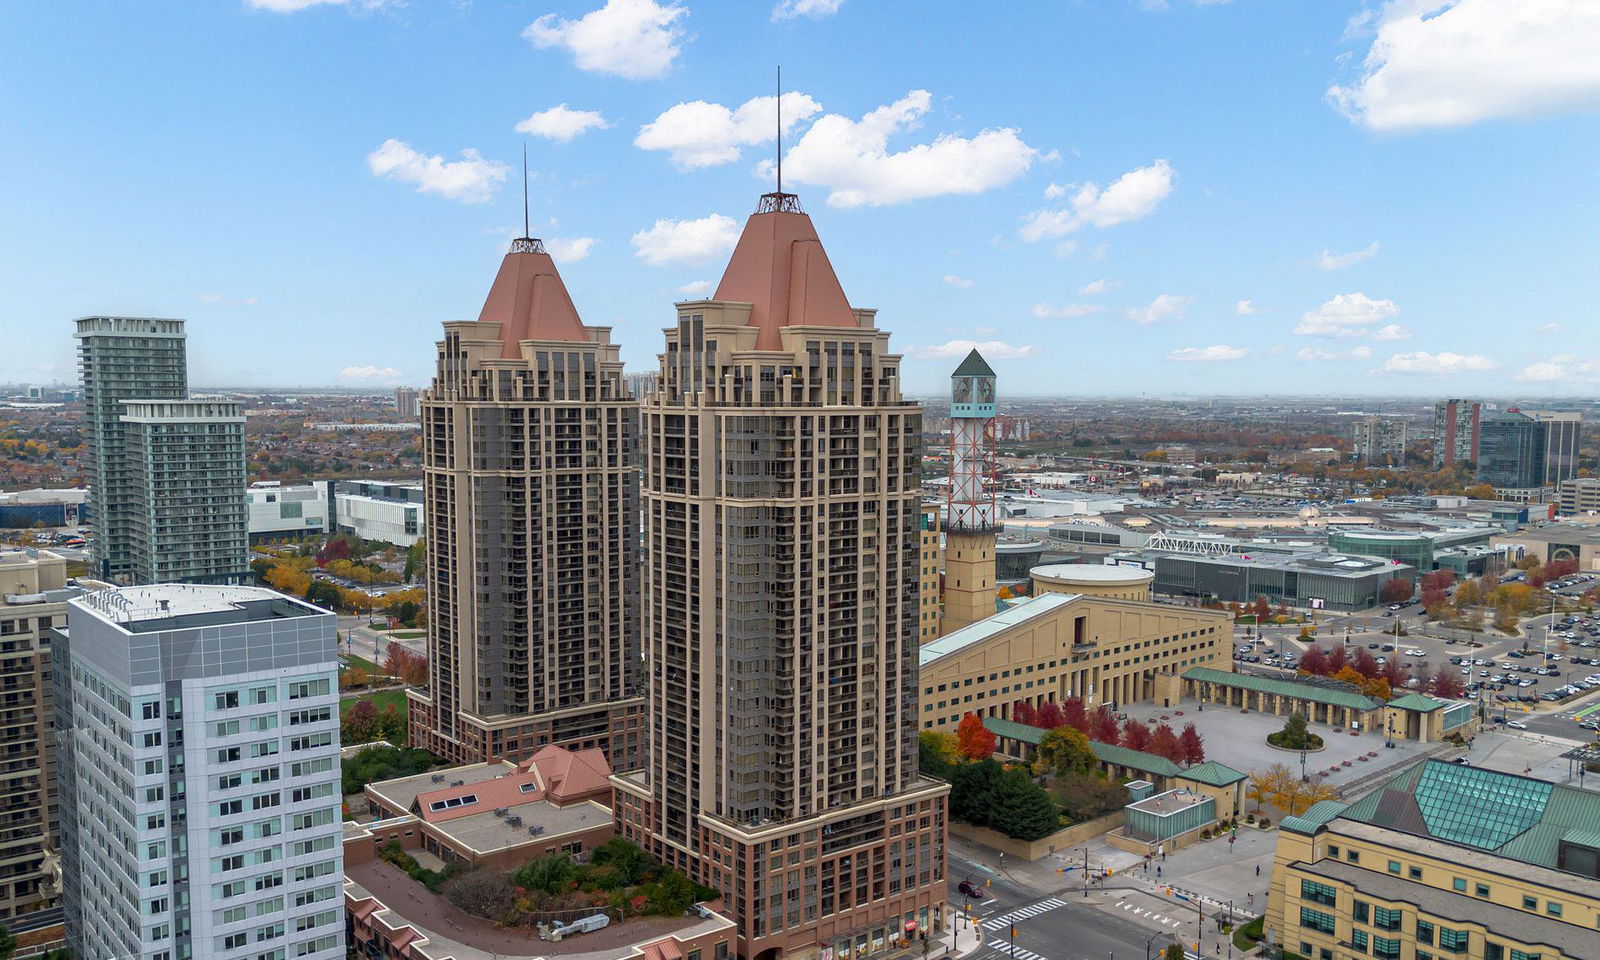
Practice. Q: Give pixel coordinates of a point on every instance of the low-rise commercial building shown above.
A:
(1556, 541)
(1442, 860)
(1314, 580)
(498, 814)
(374, 510)
(281, 511)
(1579, 495)
(1059, 645)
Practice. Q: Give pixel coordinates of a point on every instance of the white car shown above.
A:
(1414, 652)
(1517, 725)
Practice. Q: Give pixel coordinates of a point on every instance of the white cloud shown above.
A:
(1055, 191)
(955, 281)
(1348, 315)
(1317, 353)
(472, 179)
(1392, 331)
(852, 159)
(696, 288)
(1095, 288)
(1551, 328)
(1167, 306)
(1135, 195)
(221, 300)
(1246, 308)
(636, 39)
(1559, 369)
(1328, 260)
(1046, 311)
(958, 349)
(562, 123)
(686, 241)
(988, 332)
(569, 249)
(816, 9)
(1436, 364)
(701, 134)
(1448, 63)
(369, 375)
(1214, 354)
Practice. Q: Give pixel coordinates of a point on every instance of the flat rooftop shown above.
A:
(989, 626)
(175, 606)
(1169, 803)
(399, 793)
(486, 833)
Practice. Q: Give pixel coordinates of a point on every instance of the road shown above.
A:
(356, 639)
(1051, 925)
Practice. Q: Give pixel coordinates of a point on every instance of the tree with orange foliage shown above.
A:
(973, 740)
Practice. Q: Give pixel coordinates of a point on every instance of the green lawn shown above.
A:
(363, 663)
(405, 634)
(381, 701)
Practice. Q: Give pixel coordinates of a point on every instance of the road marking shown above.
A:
(1021, 953)
(1032, 910)
(1161, 918)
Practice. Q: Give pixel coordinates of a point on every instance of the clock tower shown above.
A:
(970, 521)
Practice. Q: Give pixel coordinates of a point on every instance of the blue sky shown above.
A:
(1403, 194)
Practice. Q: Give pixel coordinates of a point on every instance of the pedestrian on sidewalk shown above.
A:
(1258, 869)
(1163, 851)
(1158, 871)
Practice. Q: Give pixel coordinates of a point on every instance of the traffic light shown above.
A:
(1013, 931)
(987, 882)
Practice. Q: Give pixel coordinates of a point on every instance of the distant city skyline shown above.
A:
(1302, 198)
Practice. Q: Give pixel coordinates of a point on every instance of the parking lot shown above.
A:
(1510, 673)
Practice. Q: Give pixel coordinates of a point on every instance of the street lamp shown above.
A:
(1302, 766)
(1149, 942)
(1388, 733)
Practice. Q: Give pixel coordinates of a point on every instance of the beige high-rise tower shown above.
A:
(782, 509)
(531, 486)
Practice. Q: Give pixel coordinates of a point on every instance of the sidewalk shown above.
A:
(951, 942)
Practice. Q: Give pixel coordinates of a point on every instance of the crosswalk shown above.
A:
(1007, 950)
(1032, 910)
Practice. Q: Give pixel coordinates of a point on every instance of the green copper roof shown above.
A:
(1417, 702)
(1012, 730)
(1334, 694)
(1315, 816)
(1516, 817)
(1134, 759)
(1104, 752)
(1213, 774)
(974, 366)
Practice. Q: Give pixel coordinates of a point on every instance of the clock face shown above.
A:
(962, 390)
(985, 390)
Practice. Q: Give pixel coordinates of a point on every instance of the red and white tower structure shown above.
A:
(971, 520)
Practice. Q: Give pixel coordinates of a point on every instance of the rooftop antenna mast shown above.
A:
(526, 243)
(780, 128)
(778, 201)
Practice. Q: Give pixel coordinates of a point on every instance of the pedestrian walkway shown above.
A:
(1147, 914)
(1023, 913)
(1012, 950)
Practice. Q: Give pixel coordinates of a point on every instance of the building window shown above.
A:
(1358, 941)
(1415, 873)
(1385, 919)
(1482, 889)
(1493, 951)
(1333, 851)
(1385, 948)
(1424, 932)
(1360, 912)
(1316, 920)
(1552, 908)
(1352, 856)
(1519, 955)
(1394, 867)
(1320, 893)
(1453, 940)
(1530, 903)
(1460, 884)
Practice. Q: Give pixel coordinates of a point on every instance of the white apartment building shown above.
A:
(198, 732)
(279, 510)
(376, 510)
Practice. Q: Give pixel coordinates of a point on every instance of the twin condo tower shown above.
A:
(753, 676)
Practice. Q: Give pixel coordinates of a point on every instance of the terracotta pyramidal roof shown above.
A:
(529, 301)
(780, 268)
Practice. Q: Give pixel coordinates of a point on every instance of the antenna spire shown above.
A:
(525, 188)
(780, 128)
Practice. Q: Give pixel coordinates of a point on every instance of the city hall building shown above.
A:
(1443, 860)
